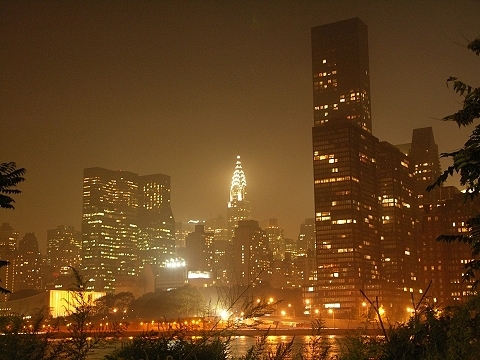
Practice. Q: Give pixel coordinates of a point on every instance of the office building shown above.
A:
(8, 240)
(127, 223)
(443, 263)
(63, 249)
(341, 77)
(426, 165)
(64, 246)
(276, 239)
(344, 161)
(306, 237)
(156, 224)
(8, 252)
(399, 230)
(199, 250)
(28, 264)
(251, 255)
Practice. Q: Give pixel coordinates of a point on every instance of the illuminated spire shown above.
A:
(237, 189)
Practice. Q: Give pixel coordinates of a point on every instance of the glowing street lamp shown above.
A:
(224, 314)
(330, 311)
(364, 305)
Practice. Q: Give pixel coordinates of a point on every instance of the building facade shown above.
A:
(127, 222)
(251, 255)
(376, 226)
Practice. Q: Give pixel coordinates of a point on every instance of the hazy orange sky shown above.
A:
(182, 87)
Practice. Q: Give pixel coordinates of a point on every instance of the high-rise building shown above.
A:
(199, 250)
(127, 221)
(238, 207)
(28, 264)
(276, 239)
(399, 229)
(63, 248)
(8, 252)
(306, 237)
(155, 219)
(251, 255)
(443, 263)
(426, 165)
(344, 162)
(8, 240)
(341, 77)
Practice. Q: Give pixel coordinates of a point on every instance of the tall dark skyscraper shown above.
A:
(400, 227)
(426, 162)
(127, 222)
(345, 185)
(341, 77)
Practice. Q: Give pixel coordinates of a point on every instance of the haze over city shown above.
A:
(182, 88)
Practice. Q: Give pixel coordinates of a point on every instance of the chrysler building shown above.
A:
(238, 207)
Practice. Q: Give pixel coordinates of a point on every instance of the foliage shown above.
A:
(318, 347)
(184, 301)
(83, 337)
(114, 303)
(22, 339)
(453, 333)
(10, 177)
(174, 346)
(466, 162)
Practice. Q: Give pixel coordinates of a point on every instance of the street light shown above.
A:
(364, 305)
(330, 311)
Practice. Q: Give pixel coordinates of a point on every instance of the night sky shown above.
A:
(183, 87)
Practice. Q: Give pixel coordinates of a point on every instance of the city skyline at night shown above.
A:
(182, 88)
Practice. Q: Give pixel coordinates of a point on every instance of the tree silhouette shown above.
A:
(10, 176)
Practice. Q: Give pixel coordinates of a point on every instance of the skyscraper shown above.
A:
(127, 221)
(155, 219)
(426, 162)
(276, 239)
(238, 207)
(28, 264)
(400, 226)
(8, 252)
(8, 240)
(306, 237)
(341, 77)
(344, 162)
(251, 255)
(63, 248)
